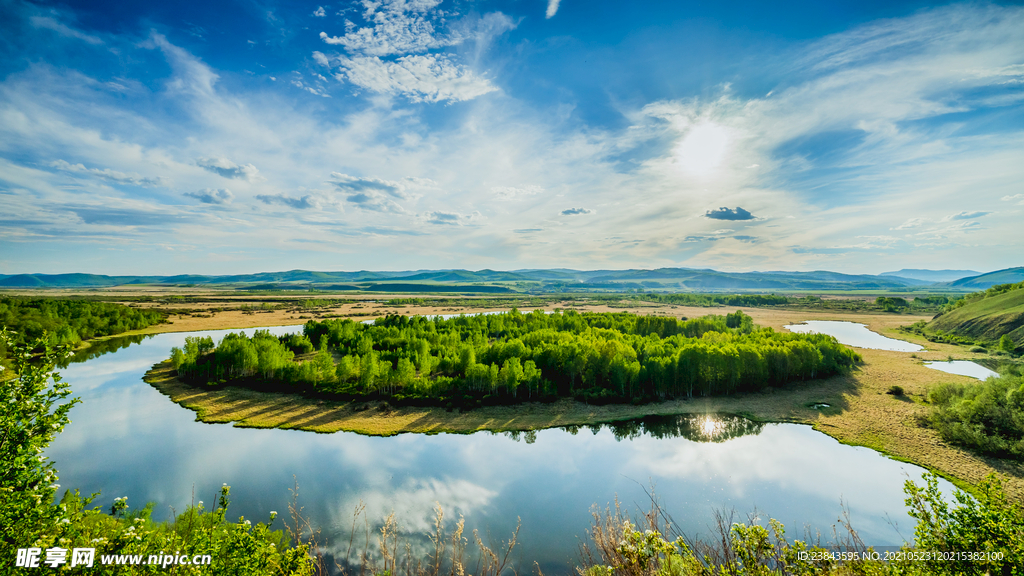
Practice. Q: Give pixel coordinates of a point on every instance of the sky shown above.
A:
(227, 137)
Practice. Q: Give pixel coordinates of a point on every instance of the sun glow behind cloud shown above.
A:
(703, 149)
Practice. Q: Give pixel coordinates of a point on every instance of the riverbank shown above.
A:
(859, 413)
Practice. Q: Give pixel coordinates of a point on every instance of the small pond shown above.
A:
(853, 334)
(963, 368)
(127, 439)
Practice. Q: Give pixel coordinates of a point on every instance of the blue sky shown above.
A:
(234, 137)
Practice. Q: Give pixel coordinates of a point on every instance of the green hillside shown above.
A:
(986, 316)
(1006, 276)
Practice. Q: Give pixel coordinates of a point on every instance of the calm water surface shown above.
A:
(127, 439)
(963, 368)
(853, 334)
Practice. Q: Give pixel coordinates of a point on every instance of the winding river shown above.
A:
(127, 439)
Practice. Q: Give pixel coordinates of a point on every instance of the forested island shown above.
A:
(513, 357)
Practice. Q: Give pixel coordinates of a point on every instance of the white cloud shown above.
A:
(319, 12)
(108, 174)
(964, 216)
(911, 223)
(399, 27)
(427, 78)
(374, 194)
(63, 29)
(229, 169)
(552, 8)
(321, 59)
(375, 201)
(306, 202)
(355, 184)
(576, 211)
(509, 192)
(315, 89)
(387, 57)
(212, 195)
(1009, 198)
(451, 218)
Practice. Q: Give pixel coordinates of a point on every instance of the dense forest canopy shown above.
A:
(510, 357)
(70, 321)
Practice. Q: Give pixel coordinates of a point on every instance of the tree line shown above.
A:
(69, 321)
(512, 357)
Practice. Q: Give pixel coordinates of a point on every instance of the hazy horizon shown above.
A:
(226, 138)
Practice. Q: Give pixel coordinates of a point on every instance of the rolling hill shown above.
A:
(985, 318)
(929, 276)
(537, 280)
(984, 281)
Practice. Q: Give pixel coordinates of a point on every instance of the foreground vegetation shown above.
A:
(987, 416)
(36, 405)
(512, 357)
(973, 537)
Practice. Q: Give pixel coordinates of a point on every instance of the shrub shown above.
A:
(1006, 343)
(895, 390)
(987, 416)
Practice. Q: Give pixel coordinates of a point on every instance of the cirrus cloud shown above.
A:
(108, 174)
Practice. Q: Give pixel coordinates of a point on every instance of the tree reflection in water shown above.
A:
(698, 428)
(98, 348)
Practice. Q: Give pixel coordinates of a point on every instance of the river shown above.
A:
(127, 439)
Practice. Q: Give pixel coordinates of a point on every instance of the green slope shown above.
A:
(1005, 276)
(986, 318)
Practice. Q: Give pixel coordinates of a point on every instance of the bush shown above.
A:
(895, 390)
(987, 417)
(1006, 343)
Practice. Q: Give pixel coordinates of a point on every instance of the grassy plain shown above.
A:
(860, 411)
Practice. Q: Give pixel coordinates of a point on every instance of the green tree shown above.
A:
(990, 522)
(1006, 343)
(34, 412)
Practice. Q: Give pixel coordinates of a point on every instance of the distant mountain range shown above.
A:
(930, 276)
(983, 281)
(543, 280)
